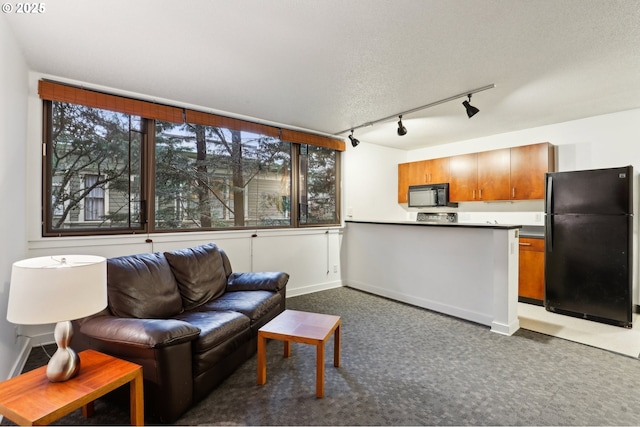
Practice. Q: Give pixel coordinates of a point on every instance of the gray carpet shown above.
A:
(403, 365)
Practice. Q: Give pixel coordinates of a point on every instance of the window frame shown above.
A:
(47, 186)
(51, 91)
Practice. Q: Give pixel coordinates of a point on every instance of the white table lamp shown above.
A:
(58, 289)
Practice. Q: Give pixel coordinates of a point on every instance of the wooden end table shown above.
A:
(31, 399)
(302, 327)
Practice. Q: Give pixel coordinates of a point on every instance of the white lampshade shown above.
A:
(53, 289)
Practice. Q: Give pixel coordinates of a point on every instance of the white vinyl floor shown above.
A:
(613, 338)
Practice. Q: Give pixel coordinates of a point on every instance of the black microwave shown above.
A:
(429, 195)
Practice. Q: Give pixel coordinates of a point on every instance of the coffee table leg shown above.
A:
(320, 369)
(262, 359)
(287, 348)
(137, 400)
(336, 347)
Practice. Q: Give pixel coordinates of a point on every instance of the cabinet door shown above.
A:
(437, 171)
(464, 177)
(403, 182)
(494, 170)
(418, 172)
(531, 269)
(528, 166)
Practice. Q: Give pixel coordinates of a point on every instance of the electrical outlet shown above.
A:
(335, 268)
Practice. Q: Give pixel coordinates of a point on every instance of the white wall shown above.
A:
(13, 124)
(370, 182)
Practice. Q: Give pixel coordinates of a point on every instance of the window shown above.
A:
(88, 151)
(215, 177)
(318, 185)
(94, 201)
(118, 165)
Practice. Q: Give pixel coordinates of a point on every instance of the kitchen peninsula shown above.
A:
(468, 271)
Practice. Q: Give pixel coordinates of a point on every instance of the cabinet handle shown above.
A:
(513, 193)
(524, 244)
(480, 194)
(474, 195)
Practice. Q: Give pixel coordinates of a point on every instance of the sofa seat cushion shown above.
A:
(142, 286)
(253, 304)
(215, 327)
(200, 273)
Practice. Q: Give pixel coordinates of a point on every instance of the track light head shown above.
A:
(354, 141)
(471, 110)
(401, 129)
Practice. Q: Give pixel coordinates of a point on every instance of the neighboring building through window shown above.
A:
(94, 200)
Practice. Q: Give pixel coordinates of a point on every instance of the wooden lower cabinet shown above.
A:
(531, 270)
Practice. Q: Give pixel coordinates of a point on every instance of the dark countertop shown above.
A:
(532, 231)
(439, 224)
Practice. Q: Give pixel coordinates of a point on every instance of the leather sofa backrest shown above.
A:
(142, 286)
(200, 273)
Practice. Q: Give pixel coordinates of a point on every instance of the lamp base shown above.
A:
(65, 363)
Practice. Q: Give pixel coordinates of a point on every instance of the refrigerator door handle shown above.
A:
(549, 194)
(548, 233)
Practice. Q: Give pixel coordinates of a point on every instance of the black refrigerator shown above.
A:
(588, 244)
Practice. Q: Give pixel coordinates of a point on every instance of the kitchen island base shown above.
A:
(466, 271)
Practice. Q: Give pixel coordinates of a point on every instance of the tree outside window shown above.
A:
(318, 185)
(213, 177)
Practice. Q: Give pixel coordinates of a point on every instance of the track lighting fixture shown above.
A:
(471, 110)
(353, 139)
(401, 129)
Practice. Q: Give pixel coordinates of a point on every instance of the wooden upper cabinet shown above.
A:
(494, 171)
(437, 170)
(434, 171)
(418, 172)
(529, 164)
(463, 183)
(403, 182)
(507, 174)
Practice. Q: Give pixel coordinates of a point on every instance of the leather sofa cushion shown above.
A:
(142, 286)
(215, 327)
(253, 304)
(200, 273)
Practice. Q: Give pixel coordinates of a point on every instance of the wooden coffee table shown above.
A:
(31, 399)
(302, 327)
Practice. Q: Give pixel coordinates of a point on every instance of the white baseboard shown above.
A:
(313, 288)
(26, 344)
(23, 355)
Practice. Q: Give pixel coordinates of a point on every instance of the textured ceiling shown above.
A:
(330, 65)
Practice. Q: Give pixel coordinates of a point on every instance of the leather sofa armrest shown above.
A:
(148, 333)
(258, 281)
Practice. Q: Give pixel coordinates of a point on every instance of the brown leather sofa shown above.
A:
(185, 317)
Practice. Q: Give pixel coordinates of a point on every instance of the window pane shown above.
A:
(95, 169)
(94, 202)
(318, 185)
(213, 177)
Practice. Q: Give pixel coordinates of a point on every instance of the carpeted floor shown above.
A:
(403, 365)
